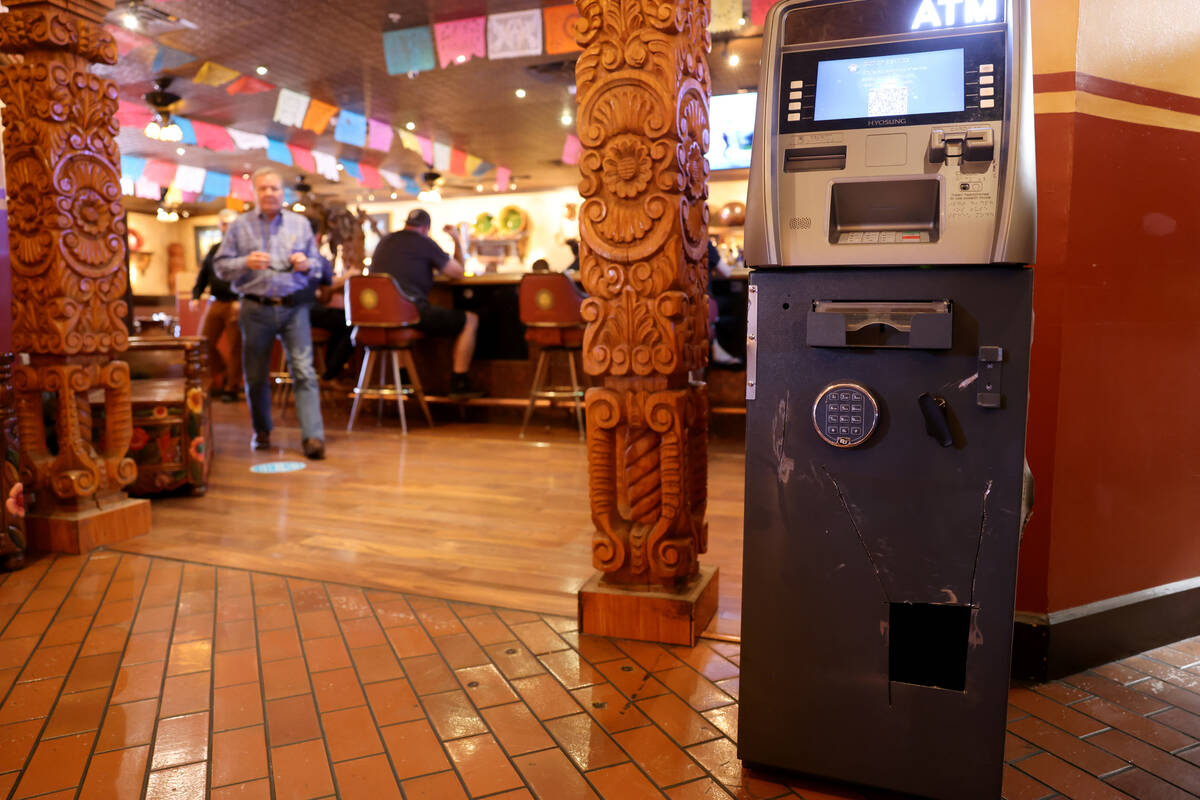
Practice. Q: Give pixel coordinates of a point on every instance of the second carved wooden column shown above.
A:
(643, 88)
(66, 240)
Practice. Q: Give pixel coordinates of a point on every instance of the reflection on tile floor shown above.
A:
(125, 676)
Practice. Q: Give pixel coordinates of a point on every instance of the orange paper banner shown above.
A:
(318, 116)
(560, 28)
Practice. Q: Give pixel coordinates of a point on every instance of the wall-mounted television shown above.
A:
(731, 130)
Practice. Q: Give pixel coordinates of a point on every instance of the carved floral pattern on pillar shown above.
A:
(643, 89)
(66, 234)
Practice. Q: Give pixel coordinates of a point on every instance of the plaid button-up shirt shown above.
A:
(288, 233)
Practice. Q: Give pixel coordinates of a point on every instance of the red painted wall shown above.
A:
(1114, 433)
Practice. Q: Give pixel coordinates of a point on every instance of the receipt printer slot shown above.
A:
(808, 159)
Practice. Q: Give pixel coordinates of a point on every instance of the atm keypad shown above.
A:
(845, 414)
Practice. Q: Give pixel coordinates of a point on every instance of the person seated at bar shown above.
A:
(270, 258)
(329, 314)
(412, 258)
(220, 319)
(719, 356)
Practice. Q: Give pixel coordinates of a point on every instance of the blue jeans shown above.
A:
(260, 326)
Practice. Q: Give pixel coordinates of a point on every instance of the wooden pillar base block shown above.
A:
(651, 616)
(83, 531)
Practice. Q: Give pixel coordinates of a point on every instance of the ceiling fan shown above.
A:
(433, 180)
(147, 18)
(164, 102)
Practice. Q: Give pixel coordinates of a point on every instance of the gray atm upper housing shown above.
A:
(840, 193)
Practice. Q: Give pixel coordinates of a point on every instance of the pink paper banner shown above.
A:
(572, 149)
(370, 176)
(426, 149)
(302, 158)
(212, 137)
(133, 115)
(503, 178)
(758, 11)
(241, 188)
(379, 135)
(460, 40)
(159, 171)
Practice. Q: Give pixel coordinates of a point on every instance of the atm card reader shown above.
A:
(973, 144)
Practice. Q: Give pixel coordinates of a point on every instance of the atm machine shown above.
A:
(890, 218)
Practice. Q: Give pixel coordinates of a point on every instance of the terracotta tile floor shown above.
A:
(126, 676)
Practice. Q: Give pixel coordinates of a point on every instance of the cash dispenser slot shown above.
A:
(810, 159)
(921, 325)
(897, 211)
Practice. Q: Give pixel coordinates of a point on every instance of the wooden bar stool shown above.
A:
(549, 305)
(383, 322)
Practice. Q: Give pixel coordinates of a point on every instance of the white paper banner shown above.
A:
(127, 186)
(190, 179)
(393, 178)
(725, 15)
(441, 156)
(515, 33)
(326, 166)
(247, 141)
(290, 108)
(147, 189)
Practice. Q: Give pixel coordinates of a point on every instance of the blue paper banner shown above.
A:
(351, 128)
(132, 167)
(170, 58)
(189, 133)
(409, 50)
(352, 168)
(410, 184)
(278, 152)
(483, 169)
(217, 184)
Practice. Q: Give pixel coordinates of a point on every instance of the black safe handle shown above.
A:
(933, 408)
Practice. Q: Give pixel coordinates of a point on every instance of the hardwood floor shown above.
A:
(463, 511)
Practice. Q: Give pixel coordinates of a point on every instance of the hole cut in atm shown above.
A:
(927, 644)
(905, 211)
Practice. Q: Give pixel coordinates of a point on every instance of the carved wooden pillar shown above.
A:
(643, 89)
(66, 240)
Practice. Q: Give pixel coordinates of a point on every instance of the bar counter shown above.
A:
(504, 363)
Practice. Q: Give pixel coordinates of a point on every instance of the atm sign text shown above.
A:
(973, 12)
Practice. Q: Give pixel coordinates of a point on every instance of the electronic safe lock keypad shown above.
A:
(845, 414)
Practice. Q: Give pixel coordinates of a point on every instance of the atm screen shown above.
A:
(890, 85)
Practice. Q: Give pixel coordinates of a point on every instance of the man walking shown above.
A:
(270, 258)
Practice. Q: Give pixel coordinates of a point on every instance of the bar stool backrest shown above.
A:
(375, 301)
(549, 299)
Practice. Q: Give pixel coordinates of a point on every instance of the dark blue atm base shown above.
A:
(877, 606)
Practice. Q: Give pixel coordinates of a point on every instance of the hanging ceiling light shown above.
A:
(161, 128)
